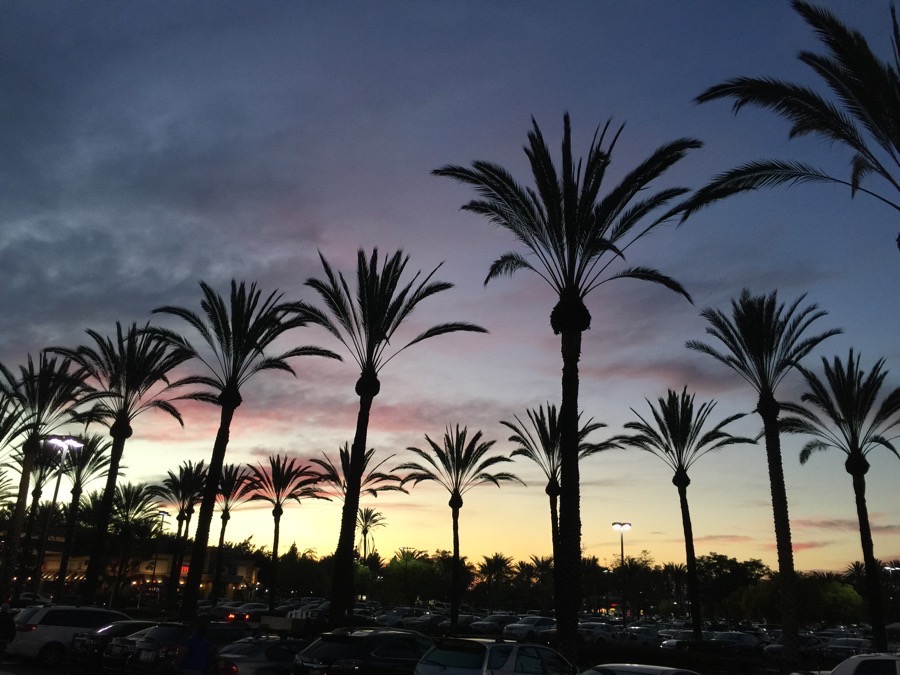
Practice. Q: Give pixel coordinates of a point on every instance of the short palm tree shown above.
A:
(183, 491)
(366, 323)
(128, 375)
(857, 110)
(763, 341)
(45, 395)
(283, 480)
(842, 414)
(575, 239)
(677, 437)
(495, 571)
(461, 464)
(234, 488)
(81, 466)
(134, 519)
(540, 444)
(237, 335)
(373, 480)
(367, 520)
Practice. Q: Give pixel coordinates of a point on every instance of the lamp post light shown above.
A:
(622, 528)
(63, 445)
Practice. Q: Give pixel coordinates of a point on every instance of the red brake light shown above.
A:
(26, 627)
(228, 668)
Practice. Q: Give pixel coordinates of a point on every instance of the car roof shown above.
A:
(642, 669)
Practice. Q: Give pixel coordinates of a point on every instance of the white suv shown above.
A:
(46, 632)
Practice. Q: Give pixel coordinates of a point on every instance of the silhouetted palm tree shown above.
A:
(236, 335)
(46, 467)
(128, 375)
(367, 520)
(366, 323)
(183, 491)
(857, 111)
(763, 341)
(495, 570)
(284, 479)
(45, 395)
(373, 480)
(842, 415)
(677, 437)
(134, 518)
(234, 488)
(542, 447)
(460, 465)
(81, 466)
(575, 237)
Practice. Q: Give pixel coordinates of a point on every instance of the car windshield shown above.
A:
(469, 655)
(169, 632)
(23, 615)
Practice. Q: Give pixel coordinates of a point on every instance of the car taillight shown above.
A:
(228, 668)
(346, 664)
(26, 627)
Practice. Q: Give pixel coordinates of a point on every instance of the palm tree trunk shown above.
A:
(229, 402)
(342, 580)
(217, 578)
(71, 522)
(455, 590)
(873, 568)
(273, 587)
(29, 535)
(175, 568)
(96, 569)
(11, 560)
(768, 409)
(568, 562)
(692, 581)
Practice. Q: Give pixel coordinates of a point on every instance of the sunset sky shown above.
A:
(148, 146)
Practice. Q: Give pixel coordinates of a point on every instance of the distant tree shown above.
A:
(677, 436)
(134, 521)
(857, 111)
(234, 488)
(461, 464)
(842, 415)
(763, 341)
(237, 335)
(366, 520)
(373, 480)
(495, 571)
(366, 323)
(283, 480)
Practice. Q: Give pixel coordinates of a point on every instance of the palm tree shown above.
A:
(575, 238)
(367, 520)
(857, 111)
(542, 447)
(80, 466)
(134, 518)
(460, 465)
(283, 480)
(677, 437)
(365, 324)
(44, 396)
(373, 480)
(495, 570)
(234, 488)
(183, 491)
(128, 376)
(237, 335)
(842, 415)
(763, 341)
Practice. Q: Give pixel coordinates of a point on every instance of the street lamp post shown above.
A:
(63, 445)
(622, 528)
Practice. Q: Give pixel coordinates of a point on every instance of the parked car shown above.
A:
(87, 648)
(45, 632)
(869, 664)
(249, 611)
(481, 656)
(266, 655)
(840, 648)
(119, 650)
(160, 648)
(735, 642)
(595, 632)
(463, 625)
(493, 624)
(28, 598)
(399, 616)
(679, 638)
(427, 623)
(635, 669)
(645, 636)
(528, 627)
(219, 612)
(363, 651)
(810, 645)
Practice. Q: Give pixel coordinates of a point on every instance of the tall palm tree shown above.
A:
(763, 341)
(129, 375)
(857, 110)
(134, 518)
(575, 238)
(367, 520)
(842, 414)
(236, 336)
(540, 444)
(80, 466)
(373, 480)
(460, 465)
(234, 488)
(45, 395)
(283, 480)
(183, 491)
(677, 437)
(495, 570)
(366, 323)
